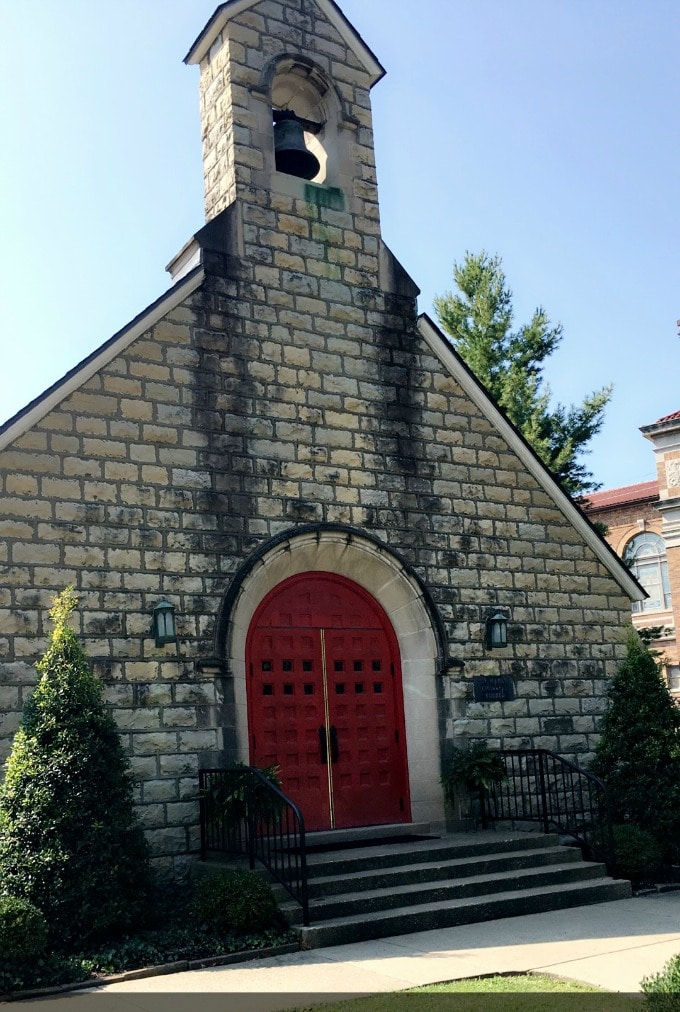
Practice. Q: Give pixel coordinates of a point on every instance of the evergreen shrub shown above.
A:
(23, 929)
(639, 855)
(638, 755)
(69, 839)
(235, 903)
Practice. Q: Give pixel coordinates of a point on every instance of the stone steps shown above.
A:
(448, 870)
(380, 888)
(428, 917)
(374, 900)
(429, 849)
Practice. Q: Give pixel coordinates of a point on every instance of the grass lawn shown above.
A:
(516, 993)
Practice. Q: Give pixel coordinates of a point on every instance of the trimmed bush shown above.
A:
(638, 755)
(69, 838)
(23, 930)
(235, 903)
(663, 989)
(638, 854)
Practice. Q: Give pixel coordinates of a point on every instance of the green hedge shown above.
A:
(235, 902)
(23, 929)
(639, 856)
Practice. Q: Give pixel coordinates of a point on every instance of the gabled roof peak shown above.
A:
(232, 8)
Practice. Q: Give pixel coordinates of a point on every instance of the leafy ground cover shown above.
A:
(173, 934)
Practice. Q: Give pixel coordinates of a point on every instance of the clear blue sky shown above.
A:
(542, 130)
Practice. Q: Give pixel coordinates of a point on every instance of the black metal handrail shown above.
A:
(243, 812)
(544, 787)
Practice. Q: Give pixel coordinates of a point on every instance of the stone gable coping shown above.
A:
(442, 348)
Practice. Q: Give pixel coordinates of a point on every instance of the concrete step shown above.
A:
(369, 834)
(447, 913)
(366, 903)
(436, 850)
(383, 877)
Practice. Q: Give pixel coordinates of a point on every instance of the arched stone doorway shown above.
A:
(365, 561)
(325, 702)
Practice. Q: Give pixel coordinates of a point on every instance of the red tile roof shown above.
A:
(644, 490)
(668, 418)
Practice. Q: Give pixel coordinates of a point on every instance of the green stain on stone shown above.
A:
(325, 196)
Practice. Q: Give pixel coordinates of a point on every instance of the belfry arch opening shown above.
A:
(300, 91)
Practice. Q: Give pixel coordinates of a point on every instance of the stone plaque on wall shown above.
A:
(493, 688)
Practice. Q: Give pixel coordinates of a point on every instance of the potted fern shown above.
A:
(240, 798)
(477, 768)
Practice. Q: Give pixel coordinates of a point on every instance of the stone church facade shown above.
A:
(286, 452)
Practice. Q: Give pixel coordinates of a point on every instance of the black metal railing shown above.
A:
(244, 813)
(544, 787)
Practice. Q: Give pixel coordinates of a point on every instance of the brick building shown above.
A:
(643, 528)
(282, 450)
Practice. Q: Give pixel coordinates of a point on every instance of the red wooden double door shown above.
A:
(325, 702)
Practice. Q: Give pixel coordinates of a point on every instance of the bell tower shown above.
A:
(304, 325)
(285, 107)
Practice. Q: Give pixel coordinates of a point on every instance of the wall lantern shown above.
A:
(164, 623)
(453, 664)
(496, 631)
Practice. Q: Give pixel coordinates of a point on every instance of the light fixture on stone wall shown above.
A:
(496, 631)
(454, 664)
(164, 629)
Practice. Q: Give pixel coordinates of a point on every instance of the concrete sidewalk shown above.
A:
(611, 945)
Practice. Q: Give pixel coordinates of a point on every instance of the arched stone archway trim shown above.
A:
(372, 566)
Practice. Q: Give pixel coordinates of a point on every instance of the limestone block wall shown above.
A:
(104, 493)
(248, 411)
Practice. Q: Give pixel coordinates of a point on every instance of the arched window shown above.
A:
(646, 556)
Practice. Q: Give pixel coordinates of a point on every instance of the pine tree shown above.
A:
(638, 755)
(69, 839)
(510, 364)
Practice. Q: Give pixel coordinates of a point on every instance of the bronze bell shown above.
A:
(291, 153)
